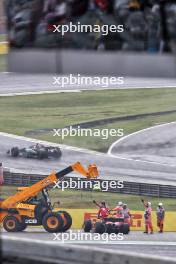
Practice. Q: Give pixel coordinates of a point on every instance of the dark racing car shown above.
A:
(37, 151)
(110, 224)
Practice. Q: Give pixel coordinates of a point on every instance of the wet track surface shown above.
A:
(157, 144)
(124, 168)
(136, 242)
(28, 83)
(115, 168)
(158, 165)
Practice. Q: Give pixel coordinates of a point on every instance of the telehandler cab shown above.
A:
(26, 208)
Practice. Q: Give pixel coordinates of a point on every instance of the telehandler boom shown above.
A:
(25, 208)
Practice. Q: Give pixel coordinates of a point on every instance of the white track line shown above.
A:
(145, 243)
(76, 90)
(86, 151)
(39, 93)
(49, 143)
(89, 88)
(135, 133)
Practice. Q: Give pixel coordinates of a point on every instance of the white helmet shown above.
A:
(149, 203)
(120, 203)
(160, 204)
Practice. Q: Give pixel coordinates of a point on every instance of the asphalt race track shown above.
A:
(144, 165)
(121, 166)
(136, 242)
(12, 84)
(109, 167)
(115, 167)
(157, 144)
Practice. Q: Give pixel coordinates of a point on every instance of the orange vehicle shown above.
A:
(27, 208)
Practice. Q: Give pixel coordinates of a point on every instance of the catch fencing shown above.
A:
(137, 188)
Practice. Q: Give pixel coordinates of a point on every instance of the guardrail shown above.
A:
(23, 251)
(155, 190)
(27, 250)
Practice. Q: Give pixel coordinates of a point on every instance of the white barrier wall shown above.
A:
(92, 63)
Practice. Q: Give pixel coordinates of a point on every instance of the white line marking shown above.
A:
(135, 133)
(66, 147)
(145, 243)
(3, 42)
(49, 143)
(89, 88)
(39, 92)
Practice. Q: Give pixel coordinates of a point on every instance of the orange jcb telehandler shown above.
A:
(27, 208)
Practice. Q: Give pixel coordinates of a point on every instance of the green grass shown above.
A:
(3, 63)
(102, 145)
(3, 37)
(3, 60)
(21, 114)
(83, 199)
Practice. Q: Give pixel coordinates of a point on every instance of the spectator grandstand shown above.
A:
(149, 25)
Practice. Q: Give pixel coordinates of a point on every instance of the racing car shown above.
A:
(111, 224)
(37, 151)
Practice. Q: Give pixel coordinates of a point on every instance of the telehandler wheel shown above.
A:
(52, 222)
(22, 226)
(67, 219)
(11, 223)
